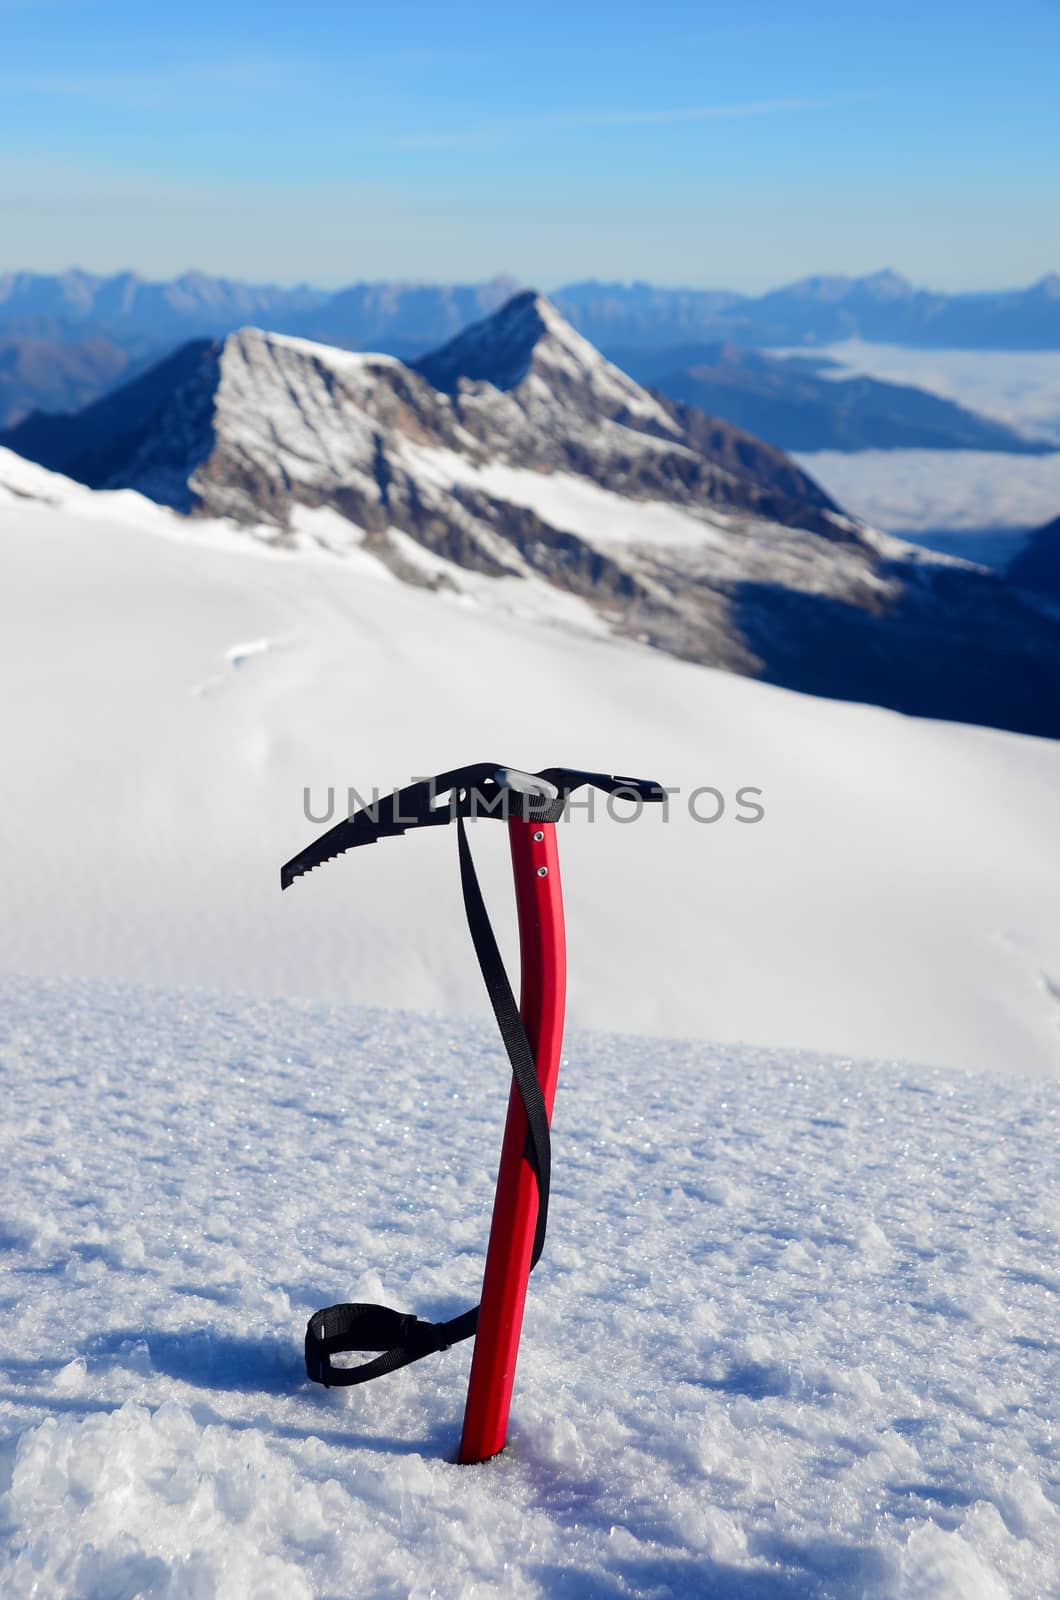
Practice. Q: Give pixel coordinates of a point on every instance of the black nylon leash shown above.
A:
(402, 1336)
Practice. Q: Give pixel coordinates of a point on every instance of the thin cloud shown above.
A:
(629, 118)
(140, 87)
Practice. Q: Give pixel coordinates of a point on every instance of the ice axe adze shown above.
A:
(531, 804)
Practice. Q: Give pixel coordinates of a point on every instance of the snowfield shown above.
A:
(576, 503)
(175, 688)
(794, 1336)
(794, 1332)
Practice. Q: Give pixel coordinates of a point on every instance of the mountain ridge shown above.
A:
(98, 325)
(789, 402)
(413, 308)
(880, 307)
(567, 489)
(578, 382)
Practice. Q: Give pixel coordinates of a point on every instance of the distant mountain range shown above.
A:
(516, 460)
(883, 307)
(65, 339)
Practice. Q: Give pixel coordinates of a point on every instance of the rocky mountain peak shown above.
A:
(502, 348)
(552, 379)
(252, 425)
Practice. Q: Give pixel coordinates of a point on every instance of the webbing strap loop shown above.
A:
(401, 1336)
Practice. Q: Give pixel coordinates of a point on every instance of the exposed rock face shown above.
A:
(562, 407)
(150, 433)
(517, 455)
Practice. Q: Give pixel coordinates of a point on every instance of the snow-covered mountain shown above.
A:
(176, 685)
(250, 425)
(517, 454)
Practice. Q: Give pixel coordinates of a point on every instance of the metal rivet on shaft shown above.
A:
(538, 835)
(542, 872)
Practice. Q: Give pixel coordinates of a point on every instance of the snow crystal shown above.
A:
(794, 1332)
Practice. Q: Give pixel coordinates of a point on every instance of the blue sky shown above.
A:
(700, 144)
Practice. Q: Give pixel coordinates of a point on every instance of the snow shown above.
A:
(907, 491)
(734, 546)
(329, 355)
(569, 502)
(897, 899)
(288, 417)
(529, 599)
(25, 480)
(324, 528)
(567, 351)
(737, 545)
(794, 1332)
(294, 417)
(528, 345)
(312, 528)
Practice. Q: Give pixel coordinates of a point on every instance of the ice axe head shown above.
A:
(484, 789)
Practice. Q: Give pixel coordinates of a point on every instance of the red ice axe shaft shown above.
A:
(532, 1034)
(542, 997)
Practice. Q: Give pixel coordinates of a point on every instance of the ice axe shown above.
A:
(531, 804)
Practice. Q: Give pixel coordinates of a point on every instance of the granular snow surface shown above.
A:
(794, 1333)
